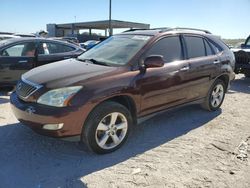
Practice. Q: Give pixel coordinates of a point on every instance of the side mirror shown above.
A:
(154, 61)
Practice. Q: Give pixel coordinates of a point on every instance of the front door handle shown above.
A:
(23, 61)
(185, 68)
(216, 61)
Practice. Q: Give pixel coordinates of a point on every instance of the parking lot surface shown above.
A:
(188, 147)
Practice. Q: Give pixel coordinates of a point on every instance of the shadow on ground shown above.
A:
(30, 160)
(240, 85)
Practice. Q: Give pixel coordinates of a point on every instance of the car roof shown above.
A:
(24, 39)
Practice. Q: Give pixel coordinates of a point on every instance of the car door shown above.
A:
(52, 51)
(165, 86)
(203, 64)
(15, 60)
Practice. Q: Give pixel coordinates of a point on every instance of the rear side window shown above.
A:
(169, 48)
(54, 48)
(209, 50)
(216, 48)
(195, 46)
(20, 50)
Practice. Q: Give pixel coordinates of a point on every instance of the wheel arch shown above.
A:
(225, 78)
(126, 101)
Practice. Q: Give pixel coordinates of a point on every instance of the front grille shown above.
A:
(25, 88)
(242, 57)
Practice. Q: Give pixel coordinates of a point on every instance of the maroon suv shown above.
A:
(101, 94)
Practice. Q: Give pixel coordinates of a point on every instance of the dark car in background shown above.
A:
(19, 55)
(242, 58)
(101, 94)
(89, 44)
(73, 40)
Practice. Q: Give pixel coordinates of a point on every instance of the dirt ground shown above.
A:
(188, 147)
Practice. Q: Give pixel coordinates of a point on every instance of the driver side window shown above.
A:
(169, 48)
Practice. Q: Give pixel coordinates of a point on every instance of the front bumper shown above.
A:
(36, 116)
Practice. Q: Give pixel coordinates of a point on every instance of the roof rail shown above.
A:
(160, 28)
(134, 30)
(192, 29)
(164, 29)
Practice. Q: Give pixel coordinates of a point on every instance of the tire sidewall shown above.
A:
(217, 82)
(247, 74)
(89, 128)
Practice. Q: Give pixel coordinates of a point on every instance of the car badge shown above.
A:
(19, 86)
(30, 110)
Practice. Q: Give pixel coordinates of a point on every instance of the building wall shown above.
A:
(51, 28)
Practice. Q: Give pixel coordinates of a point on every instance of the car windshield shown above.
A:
(116, 50)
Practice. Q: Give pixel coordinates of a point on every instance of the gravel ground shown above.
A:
(188, 147)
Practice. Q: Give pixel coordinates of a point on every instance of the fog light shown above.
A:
(53, 126)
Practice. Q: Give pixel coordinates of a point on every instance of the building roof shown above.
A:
(104, 24)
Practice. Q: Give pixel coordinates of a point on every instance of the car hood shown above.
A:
(65, 73)
(240, 49)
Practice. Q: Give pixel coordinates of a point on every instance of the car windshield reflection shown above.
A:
(116, 50)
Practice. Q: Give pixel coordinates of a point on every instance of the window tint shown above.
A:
(24, 49)
(169, 48)
(195, 46)
(209, 50)
(54, 48)
(215, 48)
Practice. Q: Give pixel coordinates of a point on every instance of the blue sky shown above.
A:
(227, 18)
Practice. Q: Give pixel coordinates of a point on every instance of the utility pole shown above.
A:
(110, 25)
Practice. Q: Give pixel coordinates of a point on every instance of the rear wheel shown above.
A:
(215, 96)
(247, 74)
(107, 127)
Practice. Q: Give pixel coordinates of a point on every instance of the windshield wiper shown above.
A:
(98, 62)
(94, 61)
(82, 60)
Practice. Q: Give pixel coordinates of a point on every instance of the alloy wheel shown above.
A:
(111, 130)
(217, 95)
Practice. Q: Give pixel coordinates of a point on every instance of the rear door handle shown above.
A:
(216, 61)
(185, 68)
(23, 61)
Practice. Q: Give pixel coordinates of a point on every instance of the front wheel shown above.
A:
(107, 127)
(215, 96)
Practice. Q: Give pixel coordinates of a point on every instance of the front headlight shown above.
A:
(58, 97)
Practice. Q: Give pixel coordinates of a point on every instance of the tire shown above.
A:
(247, 74)
(107, 127)
(215, 96)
